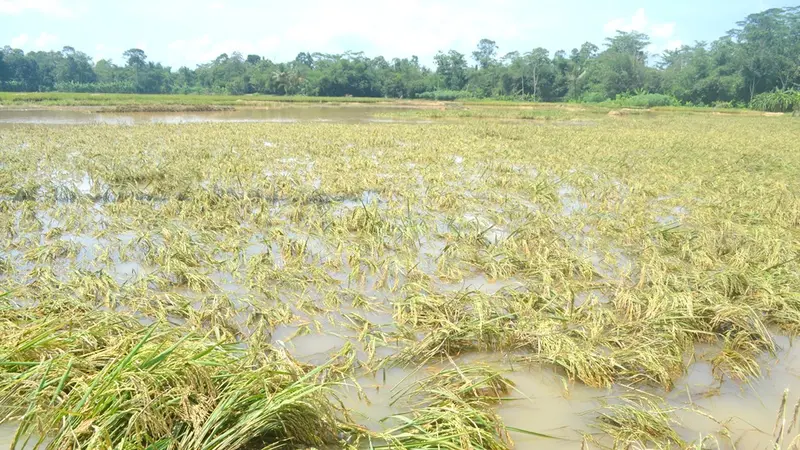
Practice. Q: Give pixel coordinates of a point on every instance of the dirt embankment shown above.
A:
(164, 108)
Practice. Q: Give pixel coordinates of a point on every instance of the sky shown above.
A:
(189, 32)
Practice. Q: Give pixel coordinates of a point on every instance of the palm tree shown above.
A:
(287, 81)
(280, 78)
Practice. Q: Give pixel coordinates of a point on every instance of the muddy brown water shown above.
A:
(349, 114)
(546, 402)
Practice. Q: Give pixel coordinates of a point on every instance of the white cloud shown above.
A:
(657, 49)
(49, 7)
(664, 30)
(204, 49)
(19, 41)
(45, 41)
(391, 29)
(412, 27)
(102, 51)
(640, 22)
(662, 34)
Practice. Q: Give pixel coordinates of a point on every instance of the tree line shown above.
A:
(761, 54)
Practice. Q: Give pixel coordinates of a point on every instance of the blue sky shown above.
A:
(188, 32)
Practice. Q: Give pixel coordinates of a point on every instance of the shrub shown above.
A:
(777, 101)
(644, 101)
(445, 95)
(512, 98)
(593, 97)
(111, 87)
(13, 86)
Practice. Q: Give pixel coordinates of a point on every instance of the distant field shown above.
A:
(67, 99)
(417, 109)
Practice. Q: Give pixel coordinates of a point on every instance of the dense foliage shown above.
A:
(762, 54)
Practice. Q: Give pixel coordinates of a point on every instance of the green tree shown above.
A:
(580, 62)
(539, 69)
(769, 44)
(3, 73)
(106, 71)
(451, 67)
(22, 73)
(134, 57)
(75, 67)
(510, 82)
(305, 59)
(184, 79)
(622, 67)
(288, 81)
(485, 54)
(406, 78)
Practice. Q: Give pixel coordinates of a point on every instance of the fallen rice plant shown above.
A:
(209, 285)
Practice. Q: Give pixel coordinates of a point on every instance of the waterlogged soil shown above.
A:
(370, 215)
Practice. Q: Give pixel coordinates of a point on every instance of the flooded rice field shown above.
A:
(76, 116)
(241, 283)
